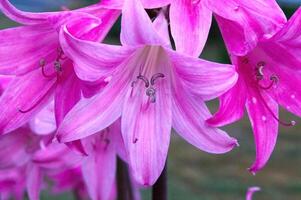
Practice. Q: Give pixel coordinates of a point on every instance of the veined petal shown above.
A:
(34, 182)
(92, 115)
(92, 60)
(99, 170)
(188, 119)
(149, 4)
(26, 18)
(18, 104)
(136, 27)
(190, 24)
(44, 122)
(146, 125)
(204, 78)
(261, 109)
(22, 48)
(232, 105)
(161, 26)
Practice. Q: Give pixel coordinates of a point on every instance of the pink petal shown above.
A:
(265, 127)
(146, 126)
(190, 23)
(34, 182)
(257, 19)
(203, 78)
(150, 4)
(136, 27)
(251, 191)
(232, 105)
(188, 119)
(44, 122)
(161, 26)
(26, 18)
(22, 48)
(92, 61)
(17, 97)
(92, 115)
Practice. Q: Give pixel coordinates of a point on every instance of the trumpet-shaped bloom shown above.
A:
(32, 53)
(268, 75)
(152, 89)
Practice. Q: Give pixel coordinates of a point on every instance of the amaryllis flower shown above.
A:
(33, 54)
(152, 89)
(251, 191)
(269, 75)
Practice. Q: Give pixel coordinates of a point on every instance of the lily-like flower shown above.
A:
(251, 191)
(268, 75)
(152, 89)
(32, 54)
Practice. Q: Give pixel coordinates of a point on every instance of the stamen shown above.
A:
(260, 76)
(151, 93)
(42, 65)
(36, 104)
(156, 76)
(144, 79)
(291, 123)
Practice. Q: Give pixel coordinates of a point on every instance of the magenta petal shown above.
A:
(34, 182)
(92, 115)
(92, 61)
(136, 27)
(26, 18)
(17, 97)
(203, 78)
(150, 4)
(265, 127)
(190, 20)
(22, 48)
(232, 105)
(251, 191)
(99, 170)
(189, 117)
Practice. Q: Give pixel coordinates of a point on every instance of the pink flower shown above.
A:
(251, 191)
(152, 89)
(268, 75)
(32, 53)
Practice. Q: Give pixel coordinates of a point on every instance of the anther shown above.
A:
(156, 76)
(144, 79)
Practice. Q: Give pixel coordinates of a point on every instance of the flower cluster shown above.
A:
(70, 104)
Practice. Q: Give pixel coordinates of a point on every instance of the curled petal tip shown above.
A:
(236, 143)
(252, 170)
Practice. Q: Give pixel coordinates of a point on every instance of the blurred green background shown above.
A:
(195, 175)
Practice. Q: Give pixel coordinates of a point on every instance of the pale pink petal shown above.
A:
(116, 138)
(190, 23)
(251, 191)
(146, 126)
(232, 106)
(22, 48)
(136, 27)
(261, 109)
(18, 104)
(34, 182)
(92, 61)
(44, 122)
(99, 169)
(203, 78)
(92, 115)
(117, 4)
(26, 18)
(188, 119)
(161, 26)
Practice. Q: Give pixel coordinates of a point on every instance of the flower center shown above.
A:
(149, 85)
(273, 81)
(57, 64)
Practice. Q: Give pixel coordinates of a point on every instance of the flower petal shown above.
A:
(19, 16)
(99, 170)
(190, 24)
(261, 109)
(34, 182)
(188, 119)
(18, 97)
(251, 191)
(150, 4)
(232, 105)
(136, 27)
(92, 115)
(146, 126)
(22, 48)
(204, 78)
(92, 60)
